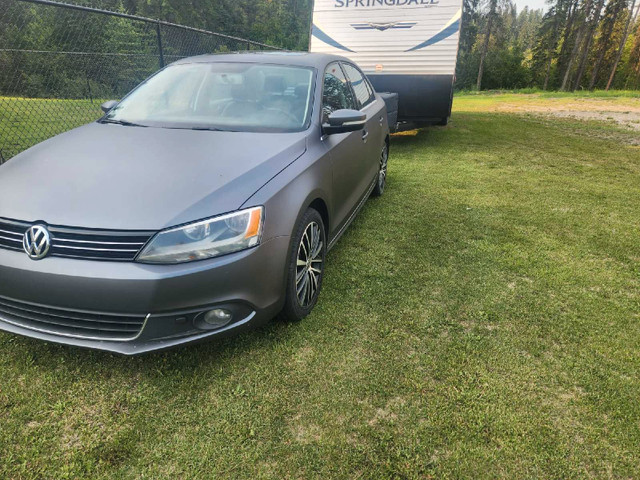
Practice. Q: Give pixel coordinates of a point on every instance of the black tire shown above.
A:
(443, 122)
(381, 181)
(300, 300)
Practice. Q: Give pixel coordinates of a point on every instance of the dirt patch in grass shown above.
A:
(622, 112)
(594, 106)
(626, 119)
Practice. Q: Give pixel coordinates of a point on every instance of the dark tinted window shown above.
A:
(369, 88)
(337, 93)
(360, 86)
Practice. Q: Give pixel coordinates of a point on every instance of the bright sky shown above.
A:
(532, 4)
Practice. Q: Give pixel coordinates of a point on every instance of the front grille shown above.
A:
(79, 242)
(71, 323)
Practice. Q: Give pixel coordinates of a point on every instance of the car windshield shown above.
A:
(220, 96)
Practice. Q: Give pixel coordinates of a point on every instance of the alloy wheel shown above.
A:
(309, 265)
(382, 173)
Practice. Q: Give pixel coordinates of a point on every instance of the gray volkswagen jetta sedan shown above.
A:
(203, 202)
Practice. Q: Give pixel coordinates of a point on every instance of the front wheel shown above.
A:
(306, 266)
(381, 181)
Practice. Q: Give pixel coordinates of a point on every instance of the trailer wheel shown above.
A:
(443, 122)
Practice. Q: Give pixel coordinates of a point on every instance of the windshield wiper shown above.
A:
(209, 129)
(121, 122)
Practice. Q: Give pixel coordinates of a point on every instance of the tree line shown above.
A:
(575, 44)
(284, 23)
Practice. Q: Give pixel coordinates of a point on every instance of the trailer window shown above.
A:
(359, 84)
(336, 93)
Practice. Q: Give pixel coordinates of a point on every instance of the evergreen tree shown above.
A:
(493, 4)
(586, 46)
(613, 9)
(623, 40)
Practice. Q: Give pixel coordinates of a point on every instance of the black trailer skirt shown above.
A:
(422, 98)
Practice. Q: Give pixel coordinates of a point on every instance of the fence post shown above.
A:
(160, 51)
(89, 90)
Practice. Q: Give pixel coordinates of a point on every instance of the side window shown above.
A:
(369, 88)
(359, 84)
(336, 94)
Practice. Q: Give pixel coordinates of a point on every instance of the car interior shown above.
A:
(223, 96)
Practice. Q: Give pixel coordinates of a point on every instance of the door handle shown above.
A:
(365, 134)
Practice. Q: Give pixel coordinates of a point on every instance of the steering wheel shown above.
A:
(235, 103)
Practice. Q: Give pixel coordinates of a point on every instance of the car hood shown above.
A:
(117, 177)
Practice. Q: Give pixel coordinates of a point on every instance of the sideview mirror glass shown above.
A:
(345, 120)
(108, 105)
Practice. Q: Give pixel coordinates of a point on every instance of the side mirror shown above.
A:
(108, 105)
(345, 120)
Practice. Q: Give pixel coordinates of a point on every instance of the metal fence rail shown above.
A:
(58, 62)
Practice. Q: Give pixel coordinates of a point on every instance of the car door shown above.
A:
(373, 133)
(346, 150)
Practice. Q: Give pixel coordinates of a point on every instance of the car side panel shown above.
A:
(287, 195)
(376, 129)
(331, 164)
(348, 158)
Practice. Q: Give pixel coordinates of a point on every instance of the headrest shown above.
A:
(274, 84)
(239, 92)
(301, 91)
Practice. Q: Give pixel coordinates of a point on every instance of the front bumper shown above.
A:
(167, 298)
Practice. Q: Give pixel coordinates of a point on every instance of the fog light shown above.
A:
(218, 317)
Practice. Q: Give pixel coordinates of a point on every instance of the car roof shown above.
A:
(305, 59)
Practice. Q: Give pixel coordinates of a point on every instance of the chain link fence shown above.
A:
(59, 62)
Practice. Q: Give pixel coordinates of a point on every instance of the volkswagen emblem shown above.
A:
(36, 242)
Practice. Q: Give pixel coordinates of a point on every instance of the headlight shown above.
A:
(206, 239)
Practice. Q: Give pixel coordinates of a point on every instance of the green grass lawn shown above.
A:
(482, 319)
(27, 121)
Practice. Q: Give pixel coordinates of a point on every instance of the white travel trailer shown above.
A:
(404, 46)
